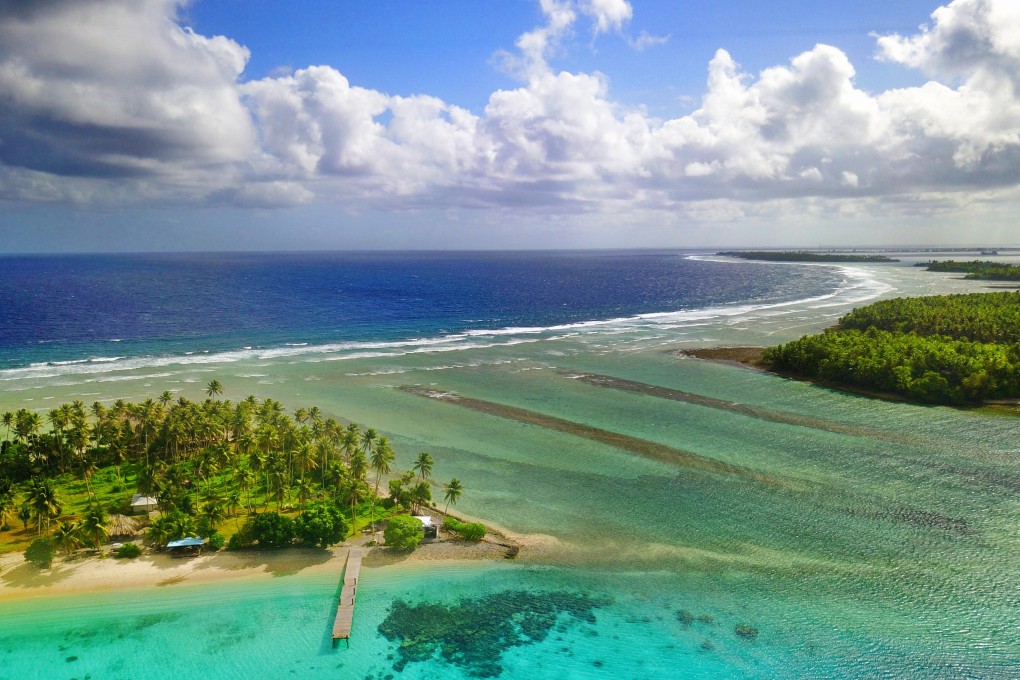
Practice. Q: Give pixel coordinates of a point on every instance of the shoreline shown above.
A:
(83, 574)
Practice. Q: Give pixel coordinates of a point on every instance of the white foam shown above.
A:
(858, 285)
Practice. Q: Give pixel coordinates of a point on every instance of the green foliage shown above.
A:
(241, 540)
(128, 551)
(978, 317)
(16, 461)
(471, 531)
(976, 269)
(953, 349)
(322, 524)
(803, 256)
(202, 460)
(403, 532)
(269, 530)
(172, 526)
(399, 493)
(215, 542)
(41, 552)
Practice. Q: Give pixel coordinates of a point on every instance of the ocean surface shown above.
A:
(860, 538)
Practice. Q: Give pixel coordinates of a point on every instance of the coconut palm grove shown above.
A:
(244, 474)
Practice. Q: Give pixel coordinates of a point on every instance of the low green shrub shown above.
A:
(471, 531)
(127, 551)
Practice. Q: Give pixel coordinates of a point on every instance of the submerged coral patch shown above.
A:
(473, 633)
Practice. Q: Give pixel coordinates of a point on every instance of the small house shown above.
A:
(428, 526)
(143, 505)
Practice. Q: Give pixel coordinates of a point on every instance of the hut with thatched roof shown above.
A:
(122, 526)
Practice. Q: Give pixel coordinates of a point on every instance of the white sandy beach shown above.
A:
(80, 574)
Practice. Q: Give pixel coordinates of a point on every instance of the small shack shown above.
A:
(428, 526)
(186, 547)
(122, 527)
(143, 505)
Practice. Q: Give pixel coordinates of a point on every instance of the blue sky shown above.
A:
(265, 125)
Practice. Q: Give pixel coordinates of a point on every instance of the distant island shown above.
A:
(976, 269)
(803, 256)
(952, 349)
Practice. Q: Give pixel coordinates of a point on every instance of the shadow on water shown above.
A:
(756, 412)
(973, 475)
(642, 447)
(328, 645)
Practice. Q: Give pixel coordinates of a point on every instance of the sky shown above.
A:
(164, 125)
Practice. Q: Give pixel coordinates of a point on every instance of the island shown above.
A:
(950, 349)
(804, 256)
(176, 477)
(976, 269)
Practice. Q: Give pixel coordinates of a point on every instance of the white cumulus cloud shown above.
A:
(115, 98)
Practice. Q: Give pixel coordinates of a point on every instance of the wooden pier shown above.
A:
(348, 592)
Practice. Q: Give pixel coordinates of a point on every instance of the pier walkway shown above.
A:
(348, 592)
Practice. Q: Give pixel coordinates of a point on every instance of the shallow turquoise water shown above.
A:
(871, 540)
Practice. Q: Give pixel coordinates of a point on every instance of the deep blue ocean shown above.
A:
(100, 307)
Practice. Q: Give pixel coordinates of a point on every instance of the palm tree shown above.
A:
(66, 536)
(305, 459)
(25, 514)
(26, 423)
(304, 493)
(452, 493)
(6, 502)
(93, 527)
(165, 398)
(214, 388)
(358, 468)
(349, 440)
(382, 457)
(8, 420)
(213, 512)
(42, 499)
(233, 501)
(368, 438)
(423, 466)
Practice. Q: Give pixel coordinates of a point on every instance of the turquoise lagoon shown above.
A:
(862, 539)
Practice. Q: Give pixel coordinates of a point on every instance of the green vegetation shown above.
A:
(976, 269)
(471, 531)
(41, 552)
(208, 463)
(128, 551)
(322, 524)
(951, 349)
(803, 256)
(403, 532)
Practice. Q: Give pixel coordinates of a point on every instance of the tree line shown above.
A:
(803, 256)
(204, 461)
(976, 269)
(950, 349)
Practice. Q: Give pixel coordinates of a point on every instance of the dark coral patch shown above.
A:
(473, 633)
